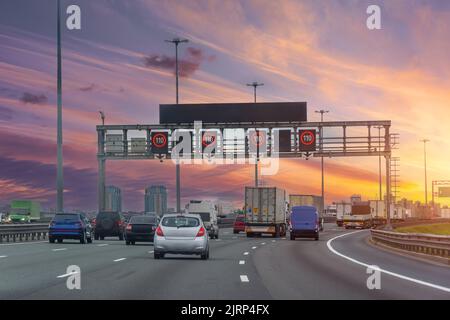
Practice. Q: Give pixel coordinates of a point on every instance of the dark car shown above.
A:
(70, 226)
(109, 224)
(239, 224)
(305, 222)
(141, 228)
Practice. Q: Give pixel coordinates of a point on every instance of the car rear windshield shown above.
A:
(108, 215)
(66, 216)
(306, 215)
(143, 220)
(240, 218)
(180, 222)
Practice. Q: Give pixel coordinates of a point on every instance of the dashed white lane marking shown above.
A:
(67, 275)
(120, 259)
(218, 239)
(274, 240)
(246, 253)
(254, 248)
(3, 257)
(244, 278)
(150, 252)
(59, 249)
(102, 244)
(19, 243)
(263, 243)
(400, 276)
(241, 261)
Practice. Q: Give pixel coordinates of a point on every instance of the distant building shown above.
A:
(156, 200)
(113, 199)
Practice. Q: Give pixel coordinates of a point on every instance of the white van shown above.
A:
(207, 210)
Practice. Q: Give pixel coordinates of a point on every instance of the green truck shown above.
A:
(25, 211)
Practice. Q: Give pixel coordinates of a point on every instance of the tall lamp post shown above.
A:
(256, 85)
(322, 112)
(102, 115)
(59, 172)
(176, 42)
(379, 161)
(425, 167)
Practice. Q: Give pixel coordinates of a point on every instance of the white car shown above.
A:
(181, 234)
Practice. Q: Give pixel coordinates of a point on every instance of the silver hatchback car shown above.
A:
(181, 234)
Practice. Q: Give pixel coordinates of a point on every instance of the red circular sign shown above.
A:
(258, 138)
(307, 138)
(159, 140)
(208, 139)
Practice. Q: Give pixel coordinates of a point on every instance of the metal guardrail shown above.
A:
(433, 245)
(21, 232)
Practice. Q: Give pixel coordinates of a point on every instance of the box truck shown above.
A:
(342, 208)
(265, 211)
(207, 210)
(360, 216)
(25, 211)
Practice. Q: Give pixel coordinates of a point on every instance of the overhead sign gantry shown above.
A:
(219, 133)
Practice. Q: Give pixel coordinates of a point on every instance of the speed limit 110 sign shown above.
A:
(307, 140)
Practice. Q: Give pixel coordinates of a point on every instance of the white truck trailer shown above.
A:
(265, 211)
(342, 209)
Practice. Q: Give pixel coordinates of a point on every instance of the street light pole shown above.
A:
(102, 115)
(59, 172)
(321, 158)
(379, 160)
(177, 41)
(255, 85)
(425, 166)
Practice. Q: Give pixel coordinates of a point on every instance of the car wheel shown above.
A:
(235, 232)
(89, 240)
(60, 240)
(292, 237)
(127, 242)
(96, 237)
(217, 235)
(204, 256)
(51, 240)
(133, 242)
(120, 236)
(102, 238)
(317, 237)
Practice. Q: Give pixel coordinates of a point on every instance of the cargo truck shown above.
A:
(25, 211)
(360, 216)
(342, 209)
(378, 212)
(265, 211)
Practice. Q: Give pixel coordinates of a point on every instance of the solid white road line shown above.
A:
(19, 243)
(246, 253)
(66, 275)
(102, 244)
(241, 261)
(120, 259)
(244, 278)
(254, 248)
(400, 276)
(59, 249)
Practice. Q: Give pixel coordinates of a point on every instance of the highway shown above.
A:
(239, 268)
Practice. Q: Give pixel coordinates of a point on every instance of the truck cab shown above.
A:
(207, 211)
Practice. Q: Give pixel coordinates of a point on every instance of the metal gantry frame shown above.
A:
(439, 183)
(340, 144)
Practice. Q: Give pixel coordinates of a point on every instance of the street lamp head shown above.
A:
(177, 40)
(255, 84)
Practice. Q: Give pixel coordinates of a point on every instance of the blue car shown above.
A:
(70, 226)
(305, 222)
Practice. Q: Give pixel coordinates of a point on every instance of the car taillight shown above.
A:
(201, 232)
(129, 227)
(159, 232)
(153, 228)
(51, 224)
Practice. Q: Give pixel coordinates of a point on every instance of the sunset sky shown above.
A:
(320, 52)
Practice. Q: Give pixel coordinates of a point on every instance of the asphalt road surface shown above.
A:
(335, 267)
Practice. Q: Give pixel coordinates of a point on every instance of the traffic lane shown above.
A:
(306, 269)
(23, 274)
(175, 277)
(355, 245)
